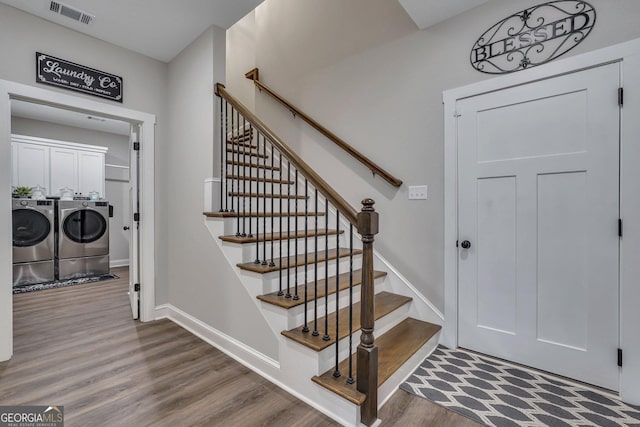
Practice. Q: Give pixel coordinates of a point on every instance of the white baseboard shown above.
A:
(119, 262)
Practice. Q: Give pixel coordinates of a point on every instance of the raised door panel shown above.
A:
(32, 165)
(64, 170)
(90, 173)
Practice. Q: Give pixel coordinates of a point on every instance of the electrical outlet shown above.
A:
(418, 192)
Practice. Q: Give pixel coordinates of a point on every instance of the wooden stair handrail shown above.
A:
(377, 170)
(320, 184)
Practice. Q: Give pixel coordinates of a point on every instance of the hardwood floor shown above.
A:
(79, 347)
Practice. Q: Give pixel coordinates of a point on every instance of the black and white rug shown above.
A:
(21, 289)
(496, 394)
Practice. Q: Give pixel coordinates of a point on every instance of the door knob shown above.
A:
(125, 228)
(465, 244)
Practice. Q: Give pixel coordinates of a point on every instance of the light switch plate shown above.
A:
(417, 192)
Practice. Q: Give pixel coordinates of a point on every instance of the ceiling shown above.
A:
(29, 110)
(159, 29)
(426, 13)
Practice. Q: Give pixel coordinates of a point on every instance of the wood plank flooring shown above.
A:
(79, 347)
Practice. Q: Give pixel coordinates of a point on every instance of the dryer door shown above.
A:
(30, 232)
(84, 226)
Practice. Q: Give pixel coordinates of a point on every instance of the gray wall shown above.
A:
(116, 191)
(201, 281)
(21, 35)
(363, 69)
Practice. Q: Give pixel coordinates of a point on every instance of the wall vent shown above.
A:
(71, 12)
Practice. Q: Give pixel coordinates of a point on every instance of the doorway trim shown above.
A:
(11, 90)
(628, 54)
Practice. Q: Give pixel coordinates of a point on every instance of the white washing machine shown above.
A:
(33, 224)
(83, 238)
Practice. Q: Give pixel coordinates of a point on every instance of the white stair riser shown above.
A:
(285, 248)
(271, 281)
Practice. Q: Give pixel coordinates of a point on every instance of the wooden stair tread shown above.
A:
(281, 263)
(253, 165)
(278, 236)
(259, 179)
(259, 214)
(385, 303)
(246, 153)
(343, 283)
(267, 196)
(394, 348)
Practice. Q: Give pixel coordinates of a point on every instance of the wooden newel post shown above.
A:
(367, 365)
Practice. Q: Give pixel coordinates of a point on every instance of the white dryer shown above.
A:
(33, 241)
(83, 238)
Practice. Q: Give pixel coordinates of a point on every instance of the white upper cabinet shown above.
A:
(58, 164)
(30, 164)
(64, 170)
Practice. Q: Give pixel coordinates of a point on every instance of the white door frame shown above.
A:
(11, 90)
(628, 54)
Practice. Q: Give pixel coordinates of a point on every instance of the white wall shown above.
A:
(21, 35)
(116, 190)
(364, 70)
(201, 282)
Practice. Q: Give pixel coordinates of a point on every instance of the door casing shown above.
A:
(628, 54)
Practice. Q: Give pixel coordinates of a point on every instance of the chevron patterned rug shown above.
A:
(500, 395)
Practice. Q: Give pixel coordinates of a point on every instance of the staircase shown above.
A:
(307, 259)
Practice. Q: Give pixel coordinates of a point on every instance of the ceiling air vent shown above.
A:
(71, 12)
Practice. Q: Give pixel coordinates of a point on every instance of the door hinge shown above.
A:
(136, 287)
(619, 227)
(136, 146)
(619, 357)
(136, 216)
(457, 243)
(620, 96)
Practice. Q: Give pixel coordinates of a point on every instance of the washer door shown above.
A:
(84, 226)
(29, 228)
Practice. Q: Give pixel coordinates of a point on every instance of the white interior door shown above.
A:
(539, 205)
(134, 205)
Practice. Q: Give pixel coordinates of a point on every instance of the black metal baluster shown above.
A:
(315, 267)
(350, 379)
(306, 253)
(244, 180)
(326, 336)
(235, 154)
(226, 156)
(223, 151)
(264, 200)
(295, 282)
(336, 372)
(280, 293)
(272, 264)
(248, 193)
(288, 295)
(257, 261)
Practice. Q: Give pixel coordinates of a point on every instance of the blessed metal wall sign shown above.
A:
(533, 36)
(58, 72)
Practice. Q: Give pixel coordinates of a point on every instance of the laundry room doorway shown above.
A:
(134, 173)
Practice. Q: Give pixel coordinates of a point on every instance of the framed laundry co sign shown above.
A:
(58, 72)
(533, 36)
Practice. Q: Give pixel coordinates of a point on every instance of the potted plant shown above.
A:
(22, 192)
